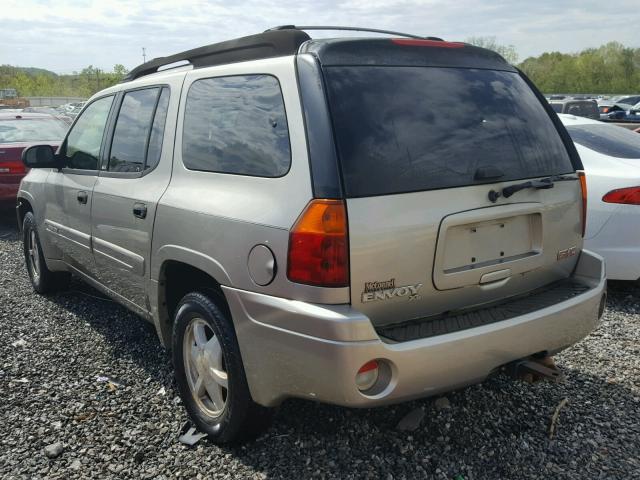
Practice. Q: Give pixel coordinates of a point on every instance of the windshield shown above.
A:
(608, 140)
(31, 130)
(403, 129)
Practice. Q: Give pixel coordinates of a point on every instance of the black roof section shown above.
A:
(269, 44)
(404, 53)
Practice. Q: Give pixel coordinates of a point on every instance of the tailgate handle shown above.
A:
(495, 276)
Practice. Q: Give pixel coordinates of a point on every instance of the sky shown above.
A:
(68, 35)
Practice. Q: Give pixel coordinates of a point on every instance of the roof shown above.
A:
(269, 44)
(290, 40)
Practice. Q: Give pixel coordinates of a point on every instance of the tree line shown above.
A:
(611, 68)
(37, 82)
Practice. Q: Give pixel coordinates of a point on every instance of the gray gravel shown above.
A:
(61, 418)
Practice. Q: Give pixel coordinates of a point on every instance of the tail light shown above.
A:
(12, 167)
(605, 109)
(583, 188)
(627, 196)
(318, 245)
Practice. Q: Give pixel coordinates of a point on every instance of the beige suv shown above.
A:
(358, 221)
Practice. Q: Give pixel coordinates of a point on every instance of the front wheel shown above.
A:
(210, 374)
(42, 279)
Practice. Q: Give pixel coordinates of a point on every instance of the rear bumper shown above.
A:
(295, 349)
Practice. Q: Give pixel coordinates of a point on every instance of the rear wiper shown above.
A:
(542, 184)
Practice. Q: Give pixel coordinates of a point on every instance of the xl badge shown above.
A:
(374, 291)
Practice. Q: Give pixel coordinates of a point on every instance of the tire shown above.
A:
(205, 353)
(42, 279)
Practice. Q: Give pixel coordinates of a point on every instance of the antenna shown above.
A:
(144, 55)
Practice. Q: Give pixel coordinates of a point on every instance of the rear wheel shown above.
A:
(210, 374)
(42, 279)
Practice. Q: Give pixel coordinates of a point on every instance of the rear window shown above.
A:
(31, 130)
(582, 109)
(607, 139)
(403, 129)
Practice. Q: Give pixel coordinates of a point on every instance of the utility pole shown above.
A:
(144, 55)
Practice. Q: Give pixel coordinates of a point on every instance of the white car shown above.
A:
(611, 158)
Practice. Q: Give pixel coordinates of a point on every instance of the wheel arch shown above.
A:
(24, 206)
(180, 271)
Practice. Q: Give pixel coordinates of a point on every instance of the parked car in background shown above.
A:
(50, 111)
(628, 99)
(609, 109)
(611, 158)
(18, 131)
(579, 107)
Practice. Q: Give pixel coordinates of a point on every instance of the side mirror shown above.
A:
(40, 156)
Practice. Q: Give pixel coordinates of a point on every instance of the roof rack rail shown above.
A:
(263, 45)
(353, 29)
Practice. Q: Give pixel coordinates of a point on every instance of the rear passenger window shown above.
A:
(137, 138)
(236, 125)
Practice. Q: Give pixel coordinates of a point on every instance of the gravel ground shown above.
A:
(55, 348)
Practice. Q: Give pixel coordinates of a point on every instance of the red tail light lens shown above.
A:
(605, 110)
(627, 196)
(319, 246)
(12, 167)
(583, 187)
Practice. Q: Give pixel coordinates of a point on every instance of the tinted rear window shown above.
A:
(607, 139)
(31, 130)
(403, 129)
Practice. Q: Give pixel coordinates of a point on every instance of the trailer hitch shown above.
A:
(534, 369)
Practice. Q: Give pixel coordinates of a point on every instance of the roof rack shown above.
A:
(353, 29)
(275, 42)
(263, 45)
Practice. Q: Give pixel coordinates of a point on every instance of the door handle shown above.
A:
(82, 197)
(139, 210)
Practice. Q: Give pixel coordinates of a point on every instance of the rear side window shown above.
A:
(137, 138)
(236, 125)
(557, 107)
(403, 129)
(607, 139)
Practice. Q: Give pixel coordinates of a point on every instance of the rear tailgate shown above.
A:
(420, 149)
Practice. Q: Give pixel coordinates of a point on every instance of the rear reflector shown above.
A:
(367, 376)
(583, 188)
(415, 42)
(318, 245)
(627, 196)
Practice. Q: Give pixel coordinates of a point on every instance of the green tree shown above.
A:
(508, 52)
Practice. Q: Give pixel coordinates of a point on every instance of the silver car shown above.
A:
(309, 218)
